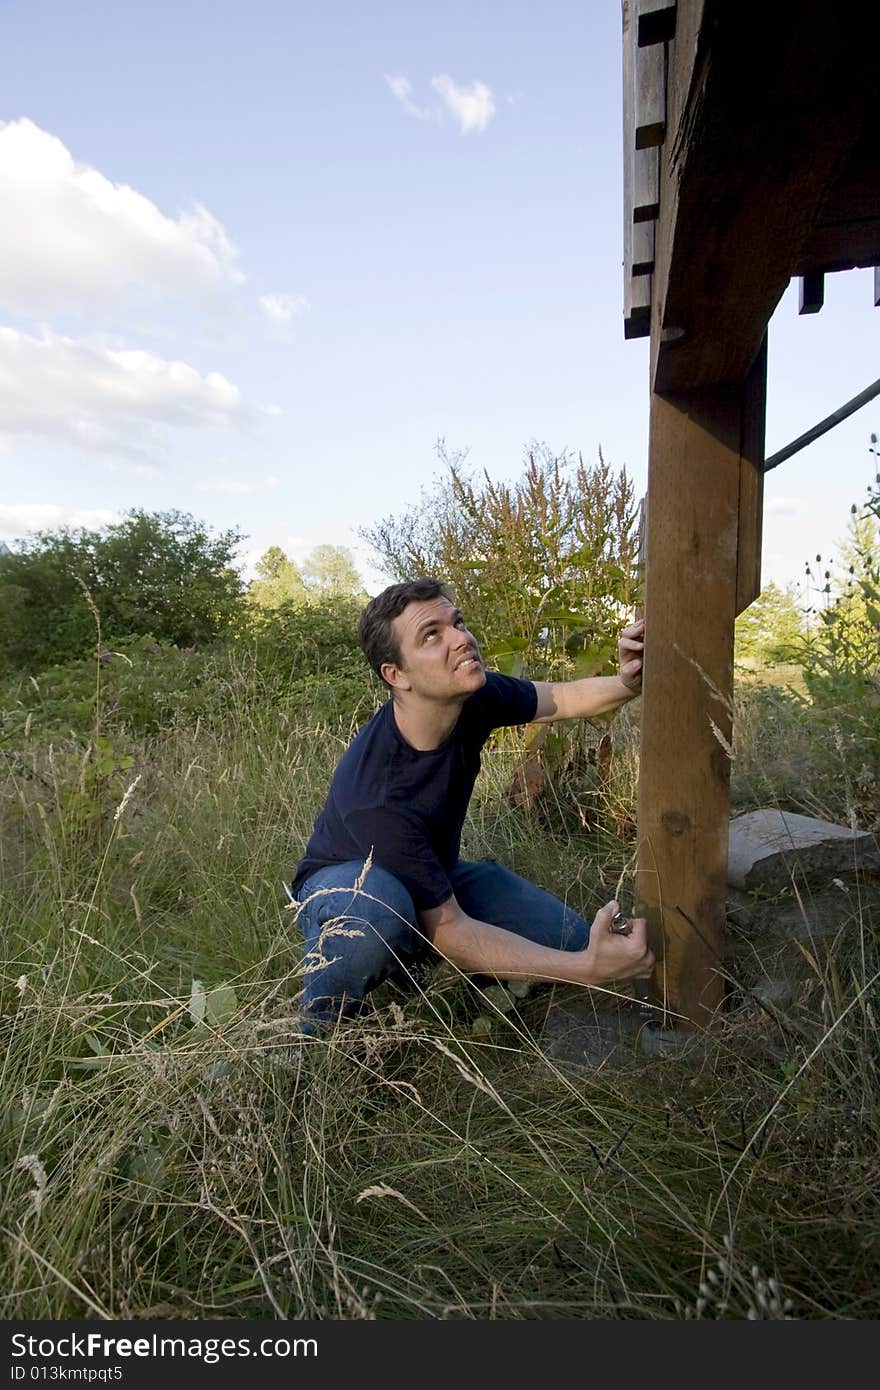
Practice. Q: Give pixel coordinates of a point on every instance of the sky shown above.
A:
(257, 260)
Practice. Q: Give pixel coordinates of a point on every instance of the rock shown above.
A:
(767, 848)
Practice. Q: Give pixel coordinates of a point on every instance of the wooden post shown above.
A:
(751, 482)
(690, 606)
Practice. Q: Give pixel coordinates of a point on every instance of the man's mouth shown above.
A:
(466, 662)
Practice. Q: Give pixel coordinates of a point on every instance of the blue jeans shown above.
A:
(356, 939)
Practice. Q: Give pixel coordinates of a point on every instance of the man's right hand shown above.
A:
(611, 956)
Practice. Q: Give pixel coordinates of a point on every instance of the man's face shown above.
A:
(439, 658)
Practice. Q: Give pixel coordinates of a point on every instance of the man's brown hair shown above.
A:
(378, 639)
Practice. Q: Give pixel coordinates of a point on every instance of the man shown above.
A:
(381, 882)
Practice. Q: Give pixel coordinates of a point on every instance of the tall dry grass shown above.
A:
(173, 1148)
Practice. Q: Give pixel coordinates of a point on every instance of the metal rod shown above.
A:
(824, 425)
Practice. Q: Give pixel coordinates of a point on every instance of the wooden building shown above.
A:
(750, 157)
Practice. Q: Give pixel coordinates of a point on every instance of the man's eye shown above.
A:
(459, 622)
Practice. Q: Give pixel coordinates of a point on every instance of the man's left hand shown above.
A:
(630, 648)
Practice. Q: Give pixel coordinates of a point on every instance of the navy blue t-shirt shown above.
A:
(407, 806)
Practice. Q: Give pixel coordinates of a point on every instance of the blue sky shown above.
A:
(256, 260)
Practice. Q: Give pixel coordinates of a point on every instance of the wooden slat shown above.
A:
(643, 248)
(638, 237)
(751, 482)
(628, 116)
(812, 293)
(650, 96)
(683, 799)
(637, 307)
(655, 21)
(646, 185)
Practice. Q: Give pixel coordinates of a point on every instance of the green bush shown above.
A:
(161, 574)
(294, 657)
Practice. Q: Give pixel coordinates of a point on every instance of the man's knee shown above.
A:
(380, 906)
(357, 936)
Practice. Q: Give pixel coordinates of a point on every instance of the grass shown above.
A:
(175, 1150)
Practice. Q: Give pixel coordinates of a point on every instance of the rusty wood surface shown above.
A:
(690, 592)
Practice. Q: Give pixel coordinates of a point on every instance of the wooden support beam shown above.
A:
(694, 486)
(768, 170)
(812, 293)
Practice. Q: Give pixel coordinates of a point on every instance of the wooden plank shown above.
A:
(812, 293)
(643, 248)
(641, 167)
(638, 238)
(646, 185)
(637, 307)
(649, 65)
(690, 592)
(655, 21)
(628, 137)
(751, 482)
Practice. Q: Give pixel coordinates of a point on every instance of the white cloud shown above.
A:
(104, 399)
(473, 107)
(783, 506)
(401, 88)
(281, 308)
(72, 239)
(240, 488)
(15, 522)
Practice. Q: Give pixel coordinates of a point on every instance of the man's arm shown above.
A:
(477, 947)
(595, 694)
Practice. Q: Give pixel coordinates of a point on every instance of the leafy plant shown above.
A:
(544, 568)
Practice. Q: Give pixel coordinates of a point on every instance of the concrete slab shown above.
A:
(768, 847)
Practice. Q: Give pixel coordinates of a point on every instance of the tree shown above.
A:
(279, 582)
(330, 569)
(163, 573)
(771, 629)
(846, 635)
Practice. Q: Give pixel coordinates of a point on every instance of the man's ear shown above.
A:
(394, 676)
